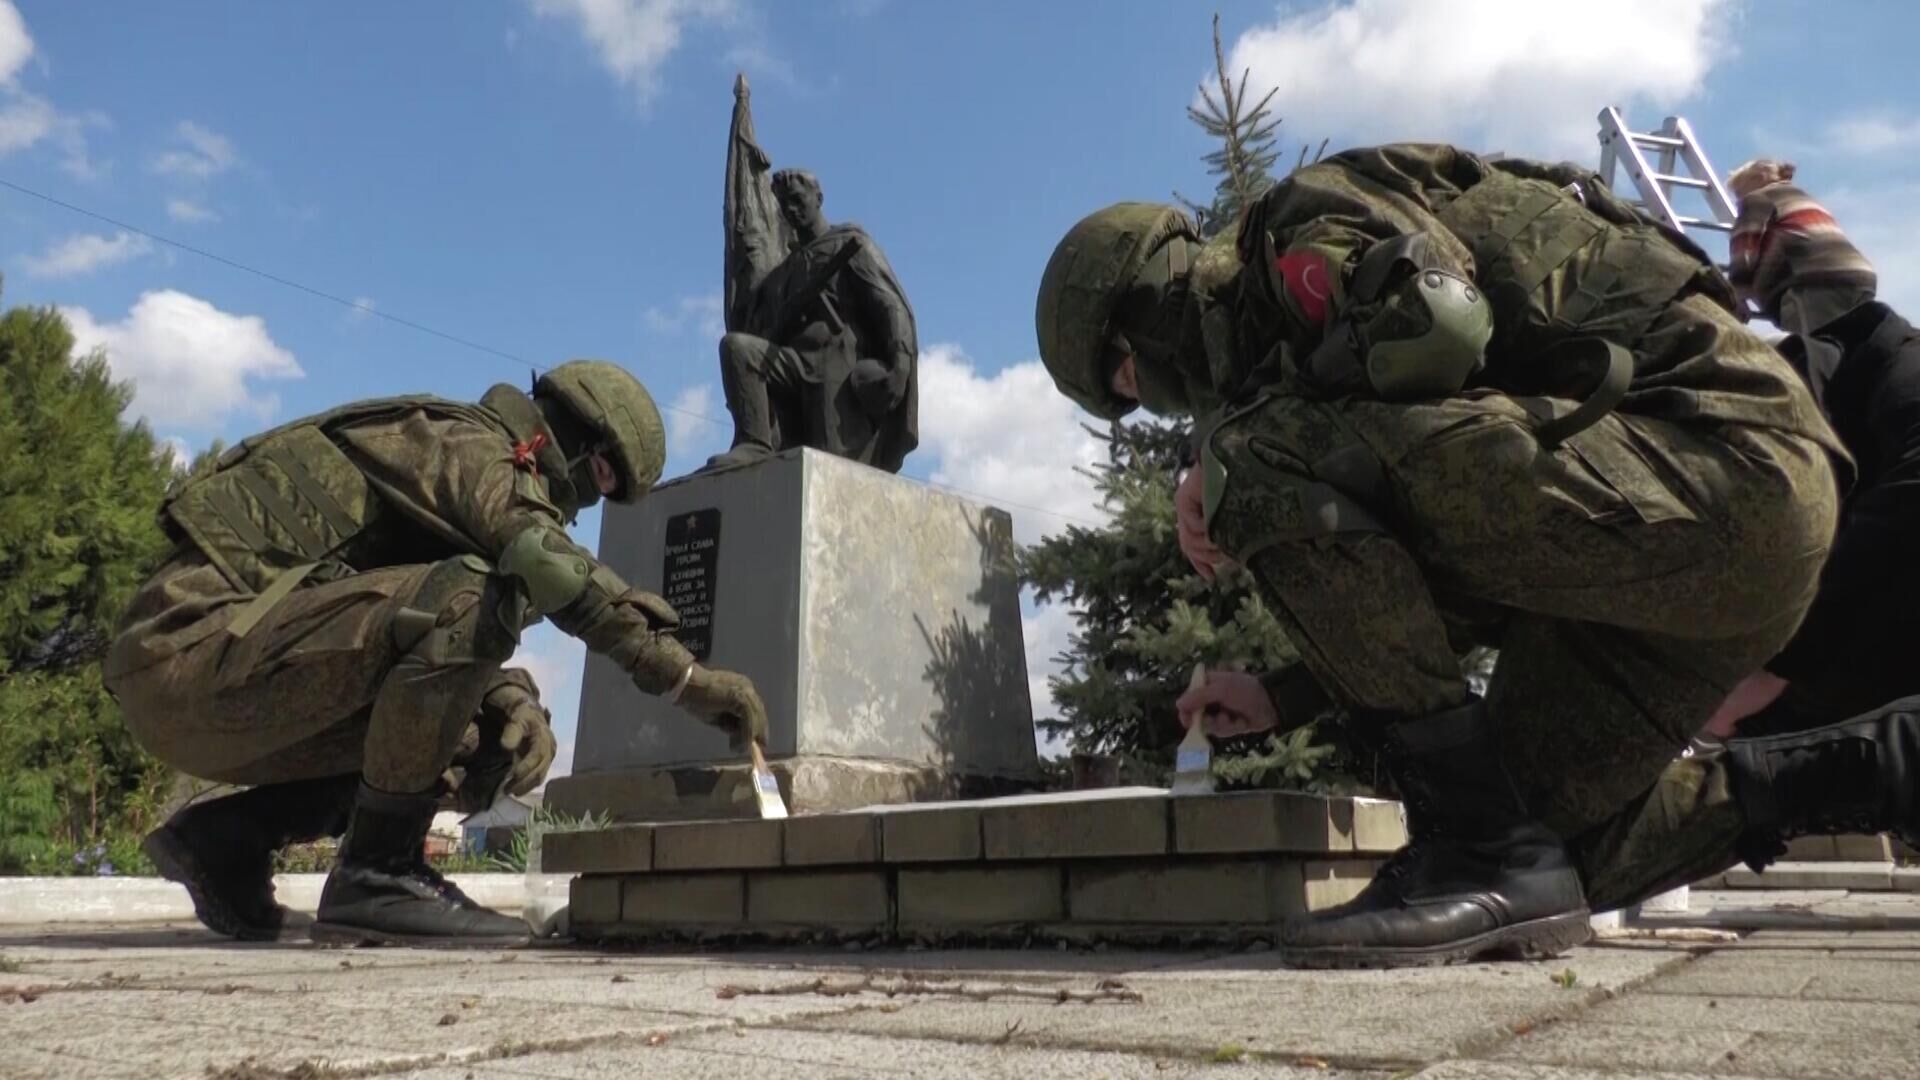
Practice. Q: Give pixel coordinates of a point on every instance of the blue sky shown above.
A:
(543, 177)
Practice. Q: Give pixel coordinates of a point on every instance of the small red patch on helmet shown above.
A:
(1309, 283)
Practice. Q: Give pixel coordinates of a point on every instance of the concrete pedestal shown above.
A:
(879, 619)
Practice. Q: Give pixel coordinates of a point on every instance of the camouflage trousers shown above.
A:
(392, 673)
(1630, 576)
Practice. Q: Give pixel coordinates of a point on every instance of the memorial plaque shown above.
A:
(688, 577)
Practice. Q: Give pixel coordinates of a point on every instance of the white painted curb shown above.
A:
(53, 900)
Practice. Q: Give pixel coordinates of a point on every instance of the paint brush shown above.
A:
(1193, 759)
(766, 790)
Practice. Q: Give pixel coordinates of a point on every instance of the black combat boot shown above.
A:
(1479, 878)
(222, 851)
(1858, 776)
(382, 892)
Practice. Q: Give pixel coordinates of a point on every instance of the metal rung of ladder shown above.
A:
(1656, 176)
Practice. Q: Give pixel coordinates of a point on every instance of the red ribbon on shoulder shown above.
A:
(1309, 282)
(523, 451)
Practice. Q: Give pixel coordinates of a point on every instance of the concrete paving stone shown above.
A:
(1812, 1057)
(1178, 893)
(716, 845)
(1906, 879)
(1379, 826)
(826, 839)
(1503, 1070)
(1331, 883)
(851, 900)
(1621, 1050)
(620, 849)
(1815, 875)
(800, 1055)
(1256, 821)
(1389, 1020)
(1861, 1019)
(182, 1034)
(715, 899)
(1596, 969)
(980, 896)
(21, 1063)
(947, 834)
(594, 901)
(1080, 829)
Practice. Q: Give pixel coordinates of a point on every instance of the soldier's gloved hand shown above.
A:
(873, 385)
(728, 701)
(528, 740)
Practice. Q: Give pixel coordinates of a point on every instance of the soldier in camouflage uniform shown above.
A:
(331, 628)
(1448, 401)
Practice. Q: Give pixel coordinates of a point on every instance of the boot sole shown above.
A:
(338, 934)
(1536, 939)
(175, 861)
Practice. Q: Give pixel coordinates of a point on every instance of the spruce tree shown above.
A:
(1248, 145)
(1143, 618)
(78, 493)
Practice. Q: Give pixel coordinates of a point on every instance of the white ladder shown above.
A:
(1651, 160)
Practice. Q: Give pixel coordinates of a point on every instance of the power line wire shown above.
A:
(275, 278)
(411, 324)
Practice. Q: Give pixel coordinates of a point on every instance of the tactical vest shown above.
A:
(1562, 258)
(287, 502)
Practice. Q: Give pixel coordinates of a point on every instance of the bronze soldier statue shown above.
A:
(827, 354)
(1445, 401)
(331, 628)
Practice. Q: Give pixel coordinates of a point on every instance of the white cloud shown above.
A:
(1873, 133)
(191, 363)
(702, 313)
(690, 426)
(1882, 222)
(182, 452)
(26, 119)
(362, 309)
(1524, 76)
(204, 154)
(1010, 437)
(189, 212)
(86, 252)
(635, 37)
(16, 45)
(555, 661)
(1045, 631)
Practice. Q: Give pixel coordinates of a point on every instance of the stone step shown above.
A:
(1116, 865)
(1115, 823)
(1864, 876)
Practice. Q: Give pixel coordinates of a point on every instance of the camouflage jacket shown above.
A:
(1552, 267)
(385, 483)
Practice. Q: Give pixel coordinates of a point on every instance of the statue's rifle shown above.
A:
(792, 319)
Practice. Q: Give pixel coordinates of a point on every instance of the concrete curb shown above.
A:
(45, 900)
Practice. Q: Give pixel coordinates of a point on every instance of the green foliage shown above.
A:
(1248, 151)
(1143, 618)
(78, 492)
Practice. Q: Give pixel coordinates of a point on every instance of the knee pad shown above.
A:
(462, 613)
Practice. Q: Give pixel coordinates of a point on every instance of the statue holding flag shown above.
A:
(821, 348)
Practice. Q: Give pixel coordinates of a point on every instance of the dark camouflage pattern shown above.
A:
(1630, 575)
(381, 659)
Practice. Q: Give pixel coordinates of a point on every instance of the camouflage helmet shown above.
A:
(612, 403)
(1082, 288)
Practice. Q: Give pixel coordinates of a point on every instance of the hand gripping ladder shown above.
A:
(1651, 162)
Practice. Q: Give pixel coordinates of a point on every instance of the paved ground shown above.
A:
(1810, 995)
